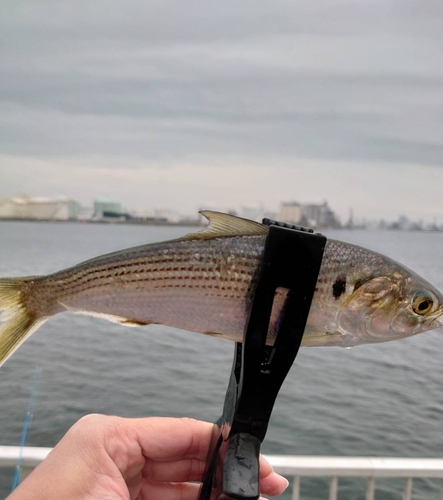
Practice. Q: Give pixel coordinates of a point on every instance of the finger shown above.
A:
(193, 469)
(134, 486)
(169, 491)
(170, 438)
(271, 483)
(173, 491)
(190, 469)
(265, 467)
(177, 450)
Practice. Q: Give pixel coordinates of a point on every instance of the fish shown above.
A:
(204, 282)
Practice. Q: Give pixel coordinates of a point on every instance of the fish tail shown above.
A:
(16, 323)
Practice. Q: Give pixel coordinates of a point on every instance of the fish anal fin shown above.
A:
(225, 225)
(109, 317)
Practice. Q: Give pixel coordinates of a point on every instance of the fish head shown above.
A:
(389, 307)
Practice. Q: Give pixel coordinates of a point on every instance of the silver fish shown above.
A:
(205, 282)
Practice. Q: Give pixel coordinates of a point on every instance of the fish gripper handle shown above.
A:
(291, 263)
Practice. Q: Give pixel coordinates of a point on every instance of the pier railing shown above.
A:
(370, 468)
(297, 467)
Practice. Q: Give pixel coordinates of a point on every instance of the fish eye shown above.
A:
(424, 302)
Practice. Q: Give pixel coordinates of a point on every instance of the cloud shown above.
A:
(155, 85)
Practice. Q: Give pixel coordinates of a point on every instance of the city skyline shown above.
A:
(320, 215)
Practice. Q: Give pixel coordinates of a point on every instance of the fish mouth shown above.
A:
(439, 316)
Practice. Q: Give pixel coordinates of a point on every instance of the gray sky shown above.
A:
(222, 104)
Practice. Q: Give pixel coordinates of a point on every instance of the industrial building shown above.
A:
(315, 215)
(291, 212)
(105, 207)
(26, 207)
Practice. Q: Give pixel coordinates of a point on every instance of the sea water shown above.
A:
(376, 400)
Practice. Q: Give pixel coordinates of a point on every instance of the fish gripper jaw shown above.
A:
(291, 263)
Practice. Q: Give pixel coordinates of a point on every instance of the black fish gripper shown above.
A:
(291, 263)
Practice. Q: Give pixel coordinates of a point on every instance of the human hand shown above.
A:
(114, 458)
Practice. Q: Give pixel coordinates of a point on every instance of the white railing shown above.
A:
(29, 457)
(366, 467)
(296, 467)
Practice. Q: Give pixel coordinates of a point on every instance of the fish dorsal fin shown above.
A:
(224, 225)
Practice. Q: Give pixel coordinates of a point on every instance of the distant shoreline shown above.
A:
(134, 222)
(195, 223)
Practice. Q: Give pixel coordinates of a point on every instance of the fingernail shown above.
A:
(284, 483)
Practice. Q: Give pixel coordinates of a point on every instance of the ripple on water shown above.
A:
(382, 399)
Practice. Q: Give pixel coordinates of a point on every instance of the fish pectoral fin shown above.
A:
(322, 340)
(223, 225)
(213, 334)
(109, 317)
(133, 322)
